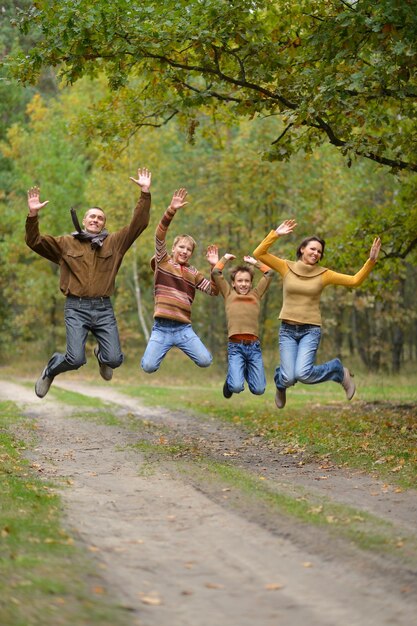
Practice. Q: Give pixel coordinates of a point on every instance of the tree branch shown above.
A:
(396, 254)
(278, 139)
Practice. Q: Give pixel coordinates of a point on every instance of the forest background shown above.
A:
(263, 110)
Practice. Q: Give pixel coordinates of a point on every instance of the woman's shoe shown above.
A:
(348, 384)
(280, 398)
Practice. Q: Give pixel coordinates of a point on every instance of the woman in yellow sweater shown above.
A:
(300, 331)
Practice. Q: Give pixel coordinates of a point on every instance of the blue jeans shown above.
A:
(298, 345)
(167, 334)
(245, 363)
(84, 315)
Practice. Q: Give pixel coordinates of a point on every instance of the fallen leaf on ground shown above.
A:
(316, 509)
(152, 600)
(273, 586)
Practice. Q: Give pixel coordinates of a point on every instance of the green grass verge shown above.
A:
(44, 578)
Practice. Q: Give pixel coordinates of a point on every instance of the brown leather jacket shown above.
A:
(84, 272)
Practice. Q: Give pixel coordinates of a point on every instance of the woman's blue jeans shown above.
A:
(298, 345)
(84, 315)
(245, 363)
(167, 334)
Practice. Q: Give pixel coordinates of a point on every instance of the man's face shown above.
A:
(94, 221)
(242, 283)
(182, 251)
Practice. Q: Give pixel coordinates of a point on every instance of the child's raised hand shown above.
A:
(286, 227)
(229, 256)
(250, 259)
(212, 254)
(178, 199)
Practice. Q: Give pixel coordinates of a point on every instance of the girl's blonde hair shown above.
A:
(187, 237)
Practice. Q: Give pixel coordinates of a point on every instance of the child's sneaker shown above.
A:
(226, 391)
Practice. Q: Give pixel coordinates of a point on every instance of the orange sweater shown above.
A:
(242, 311)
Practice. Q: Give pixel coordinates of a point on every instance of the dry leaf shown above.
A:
(214, 586)
(307, 564)
(152, 600)
(273, 586)
(316, 509)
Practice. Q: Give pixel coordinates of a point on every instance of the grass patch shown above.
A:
(73, 398)
(107, 418)
(44, 578)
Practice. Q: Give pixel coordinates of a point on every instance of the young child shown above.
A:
(242, 305)
(175, 282)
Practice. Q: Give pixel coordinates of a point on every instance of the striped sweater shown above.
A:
(175, 284)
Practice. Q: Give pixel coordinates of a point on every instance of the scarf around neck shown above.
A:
(96, 240)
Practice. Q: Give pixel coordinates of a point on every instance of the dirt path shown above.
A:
(177, 554)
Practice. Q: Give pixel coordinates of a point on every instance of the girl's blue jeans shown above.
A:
(167, 334)
(298, 345)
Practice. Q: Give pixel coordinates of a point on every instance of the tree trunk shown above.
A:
(397, 349)
(138, 296)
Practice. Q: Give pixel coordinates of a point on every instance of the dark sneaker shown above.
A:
(348, 384)
(42, 384)
(226, 391)
(280, 398)
(106, 372)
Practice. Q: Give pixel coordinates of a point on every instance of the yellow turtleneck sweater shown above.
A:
(303, 284)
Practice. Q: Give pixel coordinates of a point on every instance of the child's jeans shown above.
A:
(167, 334)
(245, 363)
